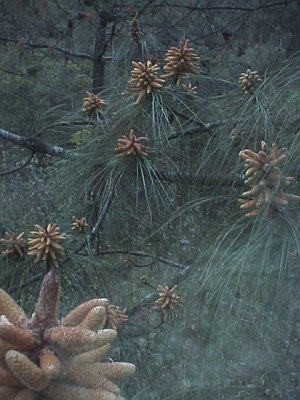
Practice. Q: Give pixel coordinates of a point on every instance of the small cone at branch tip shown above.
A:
(26, 371)
(76, 316)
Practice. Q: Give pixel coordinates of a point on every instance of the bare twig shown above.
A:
(103, 213)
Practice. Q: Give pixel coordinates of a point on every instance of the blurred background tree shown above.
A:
(170, 216)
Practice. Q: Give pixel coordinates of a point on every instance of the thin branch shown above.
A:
(99, 222)
(154, 258)
(103, 213)
(48, 47)
(27, 162)
(197, 129)
(11, 72)
(203, 179)
(226, 8)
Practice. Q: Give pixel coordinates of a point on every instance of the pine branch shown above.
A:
(36, 145)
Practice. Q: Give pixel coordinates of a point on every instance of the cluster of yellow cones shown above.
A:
(144, 79)
(132, 145)
(167, 300)
(79, 224)
(14, 244)
(180, 61)
(249, 81)
(45, 244)
(266, 179)
(43, 358)
(92, 102)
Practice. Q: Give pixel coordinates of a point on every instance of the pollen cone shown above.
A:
(70, 392)
(91, 356)
(72, 340)
(76, 316)
(24, 369)
(11, 309)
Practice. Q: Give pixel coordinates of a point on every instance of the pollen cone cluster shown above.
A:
(45, 244)
(265, 177)
(92, 102)
(168, 299)
(43, 358)
(144, 79)
(132, 145)
(249, 81)
(79, 224)
(14, 244)
(180, 61)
